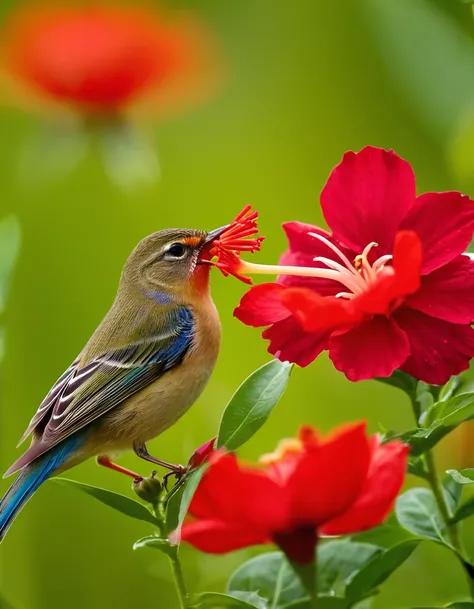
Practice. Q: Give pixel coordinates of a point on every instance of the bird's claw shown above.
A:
(178, 472)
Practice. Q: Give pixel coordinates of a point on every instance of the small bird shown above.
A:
(144, 366)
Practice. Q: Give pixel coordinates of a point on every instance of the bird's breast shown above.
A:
(154, 409)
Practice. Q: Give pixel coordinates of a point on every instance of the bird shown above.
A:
(142, 369)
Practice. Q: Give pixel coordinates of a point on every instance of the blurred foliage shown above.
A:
(307, 81)
(9, 246)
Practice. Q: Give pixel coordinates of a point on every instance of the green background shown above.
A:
(306, 81)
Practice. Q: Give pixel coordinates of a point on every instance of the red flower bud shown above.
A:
(201, 454)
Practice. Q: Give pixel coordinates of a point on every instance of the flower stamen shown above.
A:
(334, 248)
(356, 276)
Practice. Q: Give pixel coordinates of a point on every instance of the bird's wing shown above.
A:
(83, 394)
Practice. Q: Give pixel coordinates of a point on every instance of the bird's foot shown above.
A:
(142, 452)
(178, 473)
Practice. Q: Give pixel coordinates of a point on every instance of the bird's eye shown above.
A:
(176, 250)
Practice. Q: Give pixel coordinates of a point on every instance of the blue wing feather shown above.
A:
(82, 395)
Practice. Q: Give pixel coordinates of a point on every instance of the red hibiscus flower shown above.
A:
(303, 492)
(388, 289)
(104, 59)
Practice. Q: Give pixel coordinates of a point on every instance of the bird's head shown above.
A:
(167, 265)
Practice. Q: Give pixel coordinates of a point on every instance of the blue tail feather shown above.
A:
(30, 479)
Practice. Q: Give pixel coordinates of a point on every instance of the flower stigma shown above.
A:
(235, 239)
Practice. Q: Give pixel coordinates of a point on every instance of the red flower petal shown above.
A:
(320, 486)
(448, 292)
(201, 454)
(397, 281)
(438, 349)
(290, 343)
(366, 197)
(303, 250)
(444, 221)
(262, 305)
(317, 313)
(232, 494)
(385, 479)
(375, 348)
(217, 537)
(281, 464)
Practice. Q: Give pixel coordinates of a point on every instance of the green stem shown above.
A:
(436, 486)
(181, 589)
(416, 409)
(308, 576)
(314, 592)
(173, 555)
(452, 529)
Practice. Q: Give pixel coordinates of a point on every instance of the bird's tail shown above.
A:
(29, 480)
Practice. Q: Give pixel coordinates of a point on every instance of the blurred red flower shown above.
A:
(104, 59)
(388, 289)
(310, 486)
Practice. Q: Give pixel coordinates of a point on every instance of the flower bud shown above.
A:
(201, 454)
(149, 489)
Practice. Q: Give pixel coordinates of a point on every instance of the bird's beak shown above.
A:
(215, 234)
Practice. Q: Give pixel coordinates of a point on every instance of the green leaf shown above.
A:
(271, 576)
(252, 404)
(451, 412)
(439, 420)
(465, 510)
(252, 598)
(453, 493)
(192, 482)
(172, 504)
(156, 543)
(424, 396)
(214, 600)
(417, 512)
(379, 568)
(9, 247)
(461, 605)
(465, 476)
(384, 536)
(450, 389)
(324, 602)
(180, 498)
(402, 381)
(417, 467)
(178, 505)
(420, 441)
(339, 560)
(118, 502)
